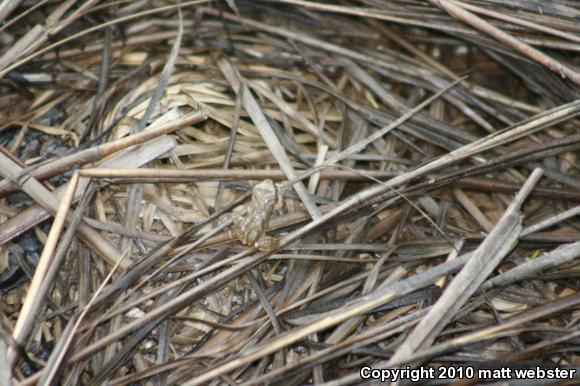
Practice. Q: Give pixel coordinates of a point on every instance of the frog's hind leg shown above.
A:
(267, 243)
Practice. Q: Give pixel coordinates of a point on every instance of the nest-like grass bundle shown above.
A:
(424, 166)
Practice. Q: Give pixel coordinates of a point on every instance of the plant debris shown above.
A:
(412, 165)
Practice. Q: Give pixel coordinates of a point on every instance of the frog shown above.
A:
(250, 221)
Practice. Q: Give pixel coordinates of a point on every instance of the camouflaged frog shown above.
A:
(251, 220)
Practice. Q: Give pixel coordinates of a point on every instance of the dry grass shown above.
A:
(426, 153)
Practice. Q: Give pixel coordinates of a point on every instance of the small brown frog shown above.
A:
(251, 220)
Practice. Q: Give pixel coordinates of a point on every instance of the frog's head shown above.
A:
(265, 192)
